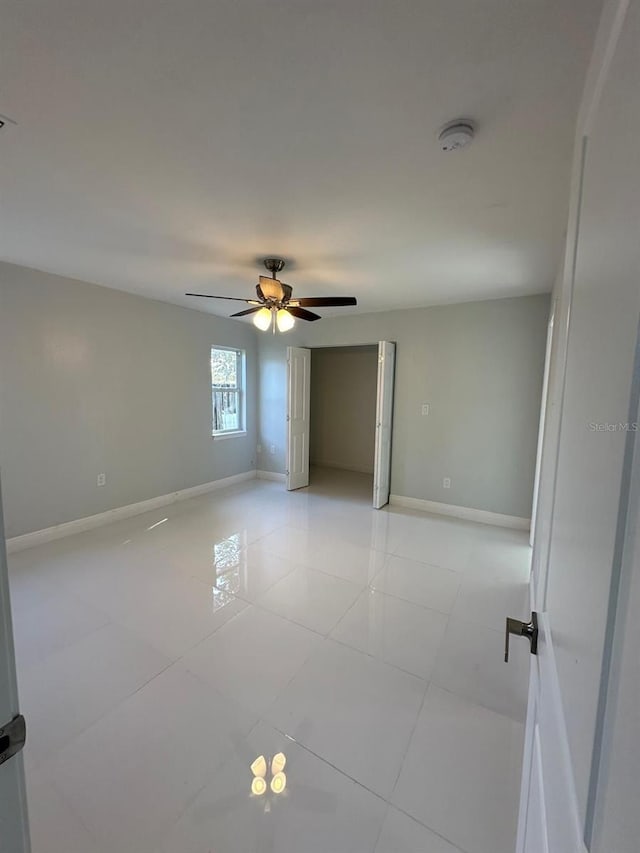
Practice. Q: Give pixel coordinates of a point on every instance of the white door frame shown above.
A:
(613, 822)
(541, 422)
(14, 822)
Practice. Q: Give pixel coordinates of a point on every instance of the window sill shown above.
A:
(235, 434)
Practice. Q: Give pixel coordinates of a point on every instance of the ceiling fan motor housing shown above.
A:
(273, 290)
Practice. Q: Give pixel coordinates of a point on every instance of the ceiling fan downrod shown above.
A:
(274, 265)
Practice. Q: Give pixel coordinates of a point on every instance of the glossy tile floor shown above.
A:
(159, 656)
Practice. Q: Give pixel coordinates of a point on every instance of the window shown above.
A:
(227, 390)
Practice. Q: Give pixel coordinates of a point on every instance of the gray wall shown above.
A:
(479, 365)
(272, 398)
(343, 407)
(92, 380)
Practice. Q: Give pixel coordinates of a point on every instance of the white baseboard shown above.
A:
(271, 475)
(480, 515)
(80, 525)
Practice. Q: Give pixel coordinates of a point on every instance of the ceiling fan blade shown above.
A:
(301, 314)
(232, 298)
(247, 311)
(325, 301)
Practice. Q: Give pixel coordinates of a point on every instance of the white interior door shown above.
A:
(14, 830)
(587, 453)
(298, 422)
(384, 417)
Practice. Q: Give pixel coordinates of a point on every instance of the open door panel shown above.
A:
(298, 421)
(384, 418)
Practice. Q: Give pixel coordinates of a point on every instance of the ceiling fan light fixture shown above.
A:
(262, 319)
(285, 320)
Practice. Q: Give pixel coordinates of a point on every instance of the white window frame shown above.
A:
(241, 391)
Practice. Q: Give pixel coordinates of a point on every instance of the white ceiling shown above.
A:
(164, 145)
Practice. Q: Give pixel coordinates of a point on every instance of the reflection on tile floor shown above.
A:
(157, 660)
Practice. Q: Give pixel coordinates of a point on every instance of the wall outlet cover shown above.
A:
(446, 483)
(102, 479)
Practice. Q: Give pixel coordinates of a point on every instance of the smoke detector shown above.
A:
(456, 134)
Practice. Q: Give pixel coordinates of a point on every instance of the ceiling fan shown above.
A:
(274, 306)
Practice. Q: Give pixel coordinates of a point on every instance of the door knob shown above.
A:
(522, 629)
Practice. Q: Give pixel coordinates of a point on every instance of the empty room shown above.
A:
(319, 389)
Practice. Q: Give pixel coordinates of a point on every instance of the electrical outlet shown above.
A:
(102, 479)
(425, 409)
(272, 449)
(446, 483)
(259, 448)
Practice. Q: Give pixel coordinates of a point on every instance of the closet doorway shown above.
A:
(339, 412)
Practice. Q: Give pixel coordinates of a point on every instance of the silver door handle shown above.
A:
(522, 629)
(12, 738)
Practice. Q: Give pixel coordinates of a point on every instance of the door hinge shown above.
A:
(12, 738)
(522, 629)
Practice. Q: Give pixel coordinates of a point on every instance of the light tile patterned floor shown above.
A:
(156, 661)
